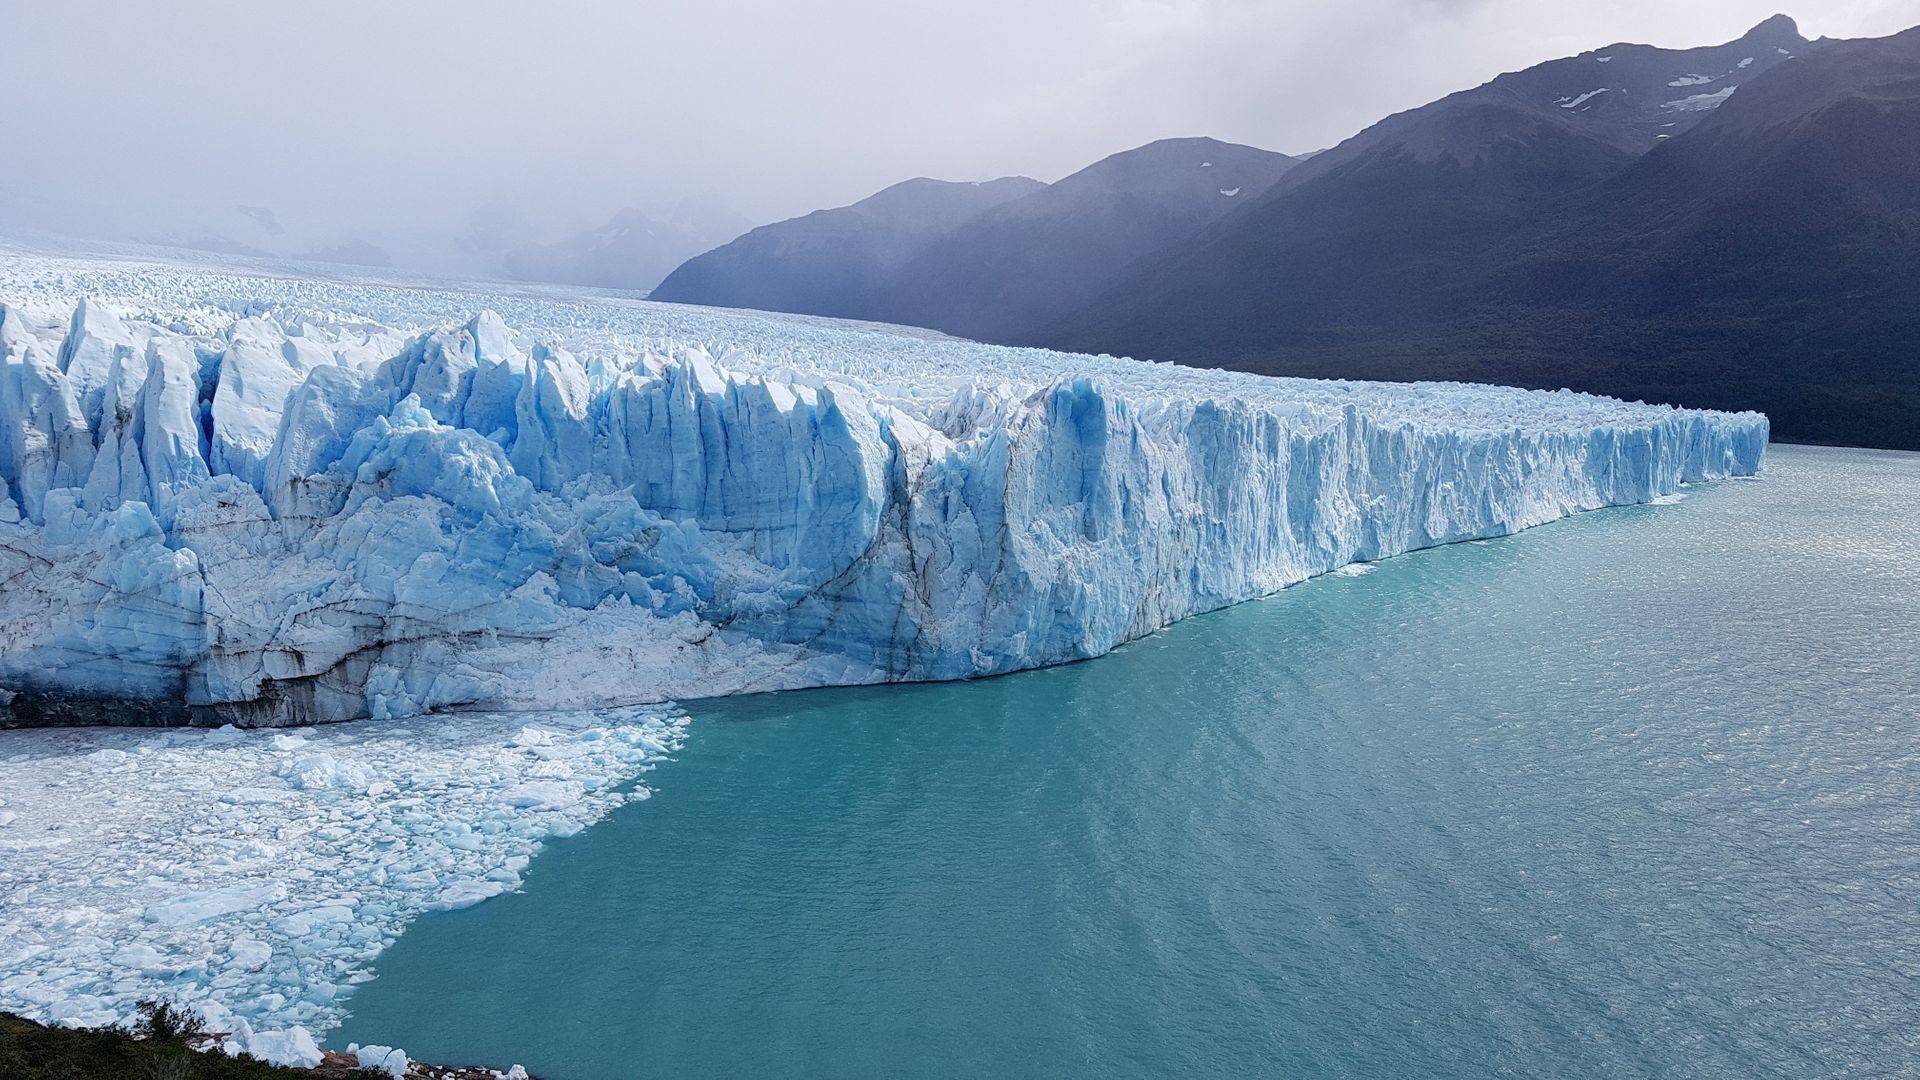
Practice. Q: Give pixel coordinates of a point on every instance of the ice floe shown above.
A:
(129, 869)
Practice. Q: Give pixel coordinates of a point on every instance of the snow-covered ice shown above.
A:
(264, 499)
(293, 1047)
(387, 1059)
(204, 866)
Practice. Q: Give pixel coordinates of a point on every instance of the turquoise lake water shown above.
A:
(1635, 794)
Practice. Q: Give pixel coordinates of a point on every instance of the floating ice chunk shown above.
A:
(148, 960)
(318, 771)
(541, 794)
(250, 954)
(533, 736)
(253, 795)
(304, 923)
(195, 907)
(465, 893)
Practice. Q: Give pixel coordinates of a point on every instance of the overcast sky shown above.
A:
(373, 115)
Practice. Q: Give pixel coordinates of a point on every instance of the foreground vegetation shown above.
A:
(157, 1047)
(161, 1045)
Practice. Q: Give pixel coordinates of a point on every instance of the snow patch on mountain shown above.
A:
(1577, 101)
(1701, 102)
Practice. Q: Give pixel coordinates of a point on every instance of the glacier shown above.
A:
(258, 498)
(263, 500)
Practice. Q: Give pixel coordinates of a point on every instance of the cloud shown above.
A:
(377, 117)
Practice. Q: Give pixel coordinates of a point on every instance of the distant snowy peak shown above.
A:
(1633, 88)
(1570, 113)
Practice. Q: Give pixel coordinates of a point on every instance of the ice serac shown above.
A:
(267, 507)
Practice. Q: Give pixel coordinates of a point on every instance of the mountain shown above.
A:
(1376, 229)
(1753, 241)
(832, 262)
(632, 251)
(1036, 252)
(479, 247)
(1056, 249)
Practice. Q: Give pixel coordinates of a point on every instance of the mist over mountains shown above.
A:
(838, 262)
(633, 251)
(497, 241)
(1729, 226)
(983, 261)
(1733, 226)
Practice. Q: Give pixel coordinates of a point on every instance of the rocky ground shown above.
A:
(31, 1051)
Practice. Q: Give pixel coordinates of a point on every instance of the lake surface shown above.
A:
(1635, 794)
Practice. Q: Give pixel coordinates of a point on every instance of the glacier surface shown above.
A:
(260, 500)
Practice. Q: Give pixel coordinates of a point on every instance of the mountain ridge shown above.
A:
(830, 262)
(1762, 258)
(1032, 252)
(1729, 226)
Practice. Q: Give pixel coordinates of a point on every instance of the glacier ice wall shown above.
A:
(267, 501)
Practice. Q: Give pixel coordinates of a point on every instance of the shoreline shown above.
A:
(29, 1048)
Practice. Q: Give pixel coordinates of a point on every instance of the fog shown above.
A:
(393, 121)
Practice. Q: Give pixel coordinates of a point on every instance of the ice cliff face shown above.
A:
(269, 501)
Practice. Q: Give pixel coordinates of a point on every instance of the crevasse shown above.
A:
(277, 511)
